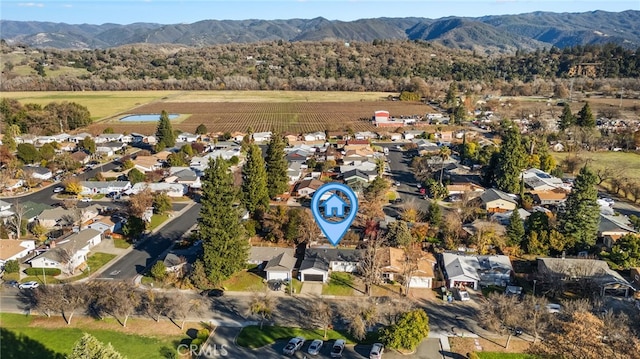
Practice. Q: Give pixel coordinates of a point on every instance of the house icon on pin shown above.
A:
(334, 206)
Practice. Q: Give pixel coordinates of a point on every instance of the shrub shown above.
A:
(12, 266)
(47, 271)
(203, 334)
(159, 271)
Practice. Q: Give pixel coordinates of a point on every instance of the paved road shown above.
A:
(145, 254)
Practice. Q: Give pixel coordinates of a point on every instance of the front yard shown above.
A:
(341, 284)
(244, 281)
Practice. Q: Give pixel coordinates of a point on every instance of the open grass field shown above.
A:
(41, 337)
(625, 163)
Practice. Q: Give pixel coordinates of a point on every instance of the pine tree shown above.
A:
(434, 216)
(567, 119)
(9, 138)
(88, 347)
(224, 241)
(277, 180)
(510, 162)
(585, 117)
(452, 95)
(164, 133)
(201, 129)
(581, 217)
(255, 195)
(515, 229)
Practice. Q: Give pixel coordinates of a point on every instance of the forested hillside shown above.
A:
(314, 66)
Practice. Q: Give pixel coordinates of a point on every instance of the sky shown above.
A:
(190, 11)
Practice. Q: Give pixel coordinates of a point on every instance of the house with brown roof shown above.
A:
(465, 187)
(147, 163)
(549, 197)
(308, 187)
(81, 156)
(393, 264)
(12, 249)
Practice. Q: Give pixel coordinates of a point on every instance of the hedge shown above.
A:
(47, 271)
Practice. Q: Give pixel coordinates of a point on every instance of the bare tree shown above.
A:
(536, 316)
(370, 263)
(154, 304)
(180, 307)
(124, 303)
(322, 314)
(359, 317)
(500, 314)
(73, 298)
(262, 305)
(14, 222)
(48, 299)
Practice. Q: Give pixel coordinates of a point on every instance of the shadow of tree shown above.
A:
(18, 346)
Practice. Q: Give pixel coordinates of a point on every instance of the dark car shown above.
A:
(214, 293)
(11, 283)
(397, 200)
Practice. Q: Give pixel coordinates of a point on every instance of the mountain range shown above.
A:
(501, 33)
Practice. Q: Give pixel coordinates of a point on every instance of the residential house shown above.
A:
(294, 172)
(138, 138)
(147, 163)
(262, 136)
(50, 218)
(411, 134)
(572, 270)
(472, 271)
(365, 135)
(13, 184)
(395, 136)
(170, 189)
(425, 146)
(393, 266)
(109, 137)
(27, 138)
(173, 263)
(469, 188)
(313, 269)
(495, 200)
(367, 165)
(105, 225)
(188, 137)
(66, 147)
(185, 176)
(539, 180)
(103, 187)
(261, 255)
(5, 209)
(67, 254)
(332, 154)
(549, 197)
(37, 172)
(12, 249)
(32, 210)
(61, 138)
(611, 228)
(110, 148)
(337, 135)
(291, 139)
(45, 139)
(308, 187)
(315, 136)
(297, 156)
(79, 137)
(357, 176)
(81, 156)
(505, 217)
(280, 267)
(338, 259)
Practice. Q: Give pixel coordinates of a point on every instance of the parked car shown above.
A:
(314, 348)
(461, 294)
(337, 349)
(376, 351)
(58, 189)
(397, 200)
(11, 283)
(86, 199)
(214, 293)
(29, 285)
(293, 346)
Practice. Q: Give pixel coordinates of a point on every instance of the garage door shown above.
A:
(420, 282)
(277, 276)
(312, 278)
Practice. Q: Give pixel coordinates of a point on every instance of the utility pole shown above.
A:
(621, 93)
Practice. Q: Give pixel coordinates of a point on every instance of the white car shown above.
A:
(314, 348)
(293, 346)
(29, 285)
(338, 347)
(376, 351)
(58, 189)
(86, 199)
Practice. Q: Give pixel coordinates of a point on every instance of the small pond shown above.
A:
(151, 117)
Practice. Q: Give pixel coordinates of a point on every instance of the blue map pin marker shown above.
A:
(327, 198)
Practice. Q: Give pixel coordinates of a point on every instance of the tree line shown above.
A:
(312, 66)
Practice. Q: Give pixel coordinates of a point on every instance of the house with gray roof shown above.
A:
(611, 228)
(495, 200)
(338, 259)
(280, 267)
(475, 270)
(67, 254)
(103, 187)
(313, 269)
(261, 255)
(32, 210)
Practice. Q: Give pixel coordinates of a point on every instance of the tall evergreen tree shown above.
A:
(88, 347)
(222, 234)
(567, 119)
(434, 215)
(511, 161)
(9, 138)
(164, 133)
(277, 180)
(581, 217)
(585, 117)
(452, 95)
(255, 195)
(515, 229)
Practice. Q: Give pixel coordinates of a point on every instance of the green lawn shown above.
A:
(156, 220)
(21, 340)
(627, 163)
(253, 337)
(339, 284)
(41, 279)
(297, 286)
(244, 281)
(95, 262)
(494, 355)
(121, 243)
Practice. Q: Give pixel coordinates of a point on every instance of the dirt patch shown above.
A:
(134, 325)
(463, 346)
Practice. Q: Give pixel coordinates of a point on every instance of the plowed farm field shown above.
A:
(290, 117)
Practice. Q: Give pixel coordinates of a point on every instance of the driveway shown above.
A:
(311, 288)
